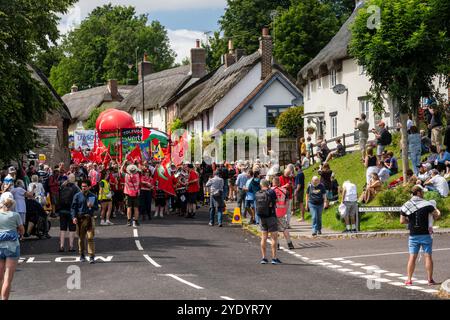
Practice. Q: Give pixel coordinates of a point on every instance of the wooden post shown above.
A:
(343, 141)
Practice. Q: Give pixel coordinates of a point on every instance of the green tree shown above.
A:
(342, 8)
(243, 21)
(290, 122)
(215, 49)
(403, 53)
(90, 122)
(26, 27)
(105, 45)
(302, 31)
(44, 60)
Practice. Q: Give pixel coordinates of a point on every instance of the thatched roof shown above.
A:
(159, 88)
(81, 103)
(208, 93)
(331, 55)
(39, 76)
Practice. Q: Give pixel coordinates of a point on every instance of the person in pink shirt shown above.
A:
(281, 210)
(132, 190)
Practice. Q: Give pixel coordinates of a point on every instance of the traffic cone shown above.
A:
(225, 211)
(237, 219)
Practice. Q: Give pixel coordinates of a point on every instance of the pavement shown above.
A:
(186, 259)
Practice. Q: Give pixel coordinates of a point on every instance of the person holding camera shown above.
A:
(363, 126)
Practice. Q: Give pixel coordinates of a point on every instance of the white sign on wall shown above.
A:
(84, 139)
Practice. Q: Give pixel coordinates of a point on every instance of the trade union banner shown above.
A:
(84, 139)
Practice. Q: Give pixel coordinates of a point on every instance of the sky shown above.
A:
(185, 20)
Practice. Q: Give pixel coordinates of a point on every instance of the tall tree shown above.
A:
(26, 27)
(215, 48)
(104, 46)
(342, 8)
(403, 53)
(244, 19)
(302, 31)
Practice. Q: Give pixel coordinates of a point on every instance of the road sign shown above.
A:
(42, 157)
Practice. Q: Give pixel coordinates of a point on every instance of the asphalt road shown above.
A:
(176, 258)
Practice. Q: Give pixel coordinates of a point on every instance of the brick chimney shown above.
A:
(113, 89)
(265, 49)
(148, 68)
(74, 89)
(239, 53)
(229, 58)
(198, 60)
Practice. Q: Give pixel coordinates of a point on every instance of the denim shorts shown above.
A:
(425, 241)
(5, 253)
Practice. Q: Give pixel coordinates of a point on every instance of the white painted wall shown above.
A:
(347, 105)
(275, 95)
(236, 95)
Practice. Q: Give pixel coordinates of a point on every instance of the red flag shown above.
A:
(77, 157)
(163, 178)
(135, 155)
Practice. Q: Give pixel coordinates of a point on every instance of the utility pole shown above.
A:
(143, 91)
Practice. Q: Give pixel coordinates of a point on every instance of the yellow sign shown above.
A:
(237, 219)
(42, 157)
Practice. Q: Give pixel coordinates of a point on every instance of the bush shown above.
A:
(176, 124)
(90, 122)
(290, 122)
(395, 198)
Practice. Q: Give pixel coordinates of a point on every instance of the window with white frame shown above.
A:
(333, 125)
(364, 107)
(333, 79)
(319, 83)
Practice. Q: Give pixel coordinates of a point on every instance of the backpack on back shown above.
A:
(262, 200)
(386, 138)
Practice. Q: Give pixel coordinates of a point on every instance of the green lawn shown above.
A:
(351, 168)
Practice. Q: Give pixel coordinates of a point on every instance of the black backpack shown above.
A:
(262, 204)
(386, 138)
(66, 195)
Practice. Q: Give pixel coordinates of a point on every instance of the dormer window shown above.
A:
(308, 90)
(319, 82)
(333, 80)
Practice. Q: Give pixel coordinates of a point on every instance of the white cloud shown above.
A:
(181, 41)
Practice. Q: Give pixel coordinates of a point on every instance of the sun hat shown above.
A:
(132, 169)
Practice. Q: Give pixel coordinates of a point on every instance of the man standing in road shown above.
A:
(240, 183)
(84, 205)
(192, 191)
(300, 190)
(363, 126)
(265, 201)
(216, 198)
(416, 213)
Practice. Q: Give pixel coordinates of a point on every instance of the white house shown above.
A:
(333, 112)
(246, 92)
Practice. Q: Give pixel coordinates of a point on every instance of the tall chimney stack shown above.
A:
(198, 61)
(265, 49)
(229, 58)
(113, 89)
(145, 68)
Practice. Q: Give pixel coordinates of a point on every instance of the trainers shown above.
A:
(432, 282)
(91, 260)
(103, 223)
(136, 222)
(408, 283)
(290, 245)
(354, 231)
(109, 223)
(319, 232)
(47, 236)
(346, 231)
(82, 258)
(220, 225)
(276, 261)
(211, 224)
(314, 234)
(129, 223)
(264, 261)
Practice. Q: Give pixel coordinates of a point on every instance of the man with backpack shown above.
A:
(252, 187)
(66, 194)
(384, 138)
(265, 200)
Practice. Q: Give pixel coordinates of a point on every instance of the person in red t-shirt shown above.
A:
(192, 191)
(145, 197)
(286, 182)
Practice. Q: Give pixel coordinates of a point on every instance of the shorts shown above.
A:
(160, 202)
(299, 196)
(269, 224)
(132, 202)
(105, 201)
(65, 221)
(282, 223)
(436, 136)
(380, 149)
(362, 145)
(5, 253)
(351, 209)
(250, 203)
(117, 196)
(425, 241)
(192, 197)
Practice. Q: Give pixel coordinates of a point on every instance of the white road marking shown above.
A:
(379, 271)
(392, 274)
(316, 261)
(338, 259)
(357, 273)
(370, 268)
(138, 245)
(135, 233)
(430, 291)
(184, 281)
(406, 278)
(345, 270)
(297, 255)
(226, 298)
(422, 281)
(382, 280)
(414, 288)
(347, 261)
(385, 254)
(398, 284)
(334, 266)
(324, 263)
(153, 262)
(358, 264)
(291, 252)
(370, 276)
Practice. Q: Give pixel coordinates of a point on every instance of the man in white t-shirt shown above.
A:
(437, 183)
(349, 199)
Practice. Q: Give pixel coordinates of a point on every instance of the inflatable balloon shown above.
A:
(115, 120)
(100, 117)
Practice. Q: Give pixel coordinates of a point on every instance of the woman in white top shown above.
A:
(38, 190)
(19, 194)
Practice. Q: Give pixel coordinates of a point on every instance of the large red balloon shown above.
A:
(115, 120)
(100, 117)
